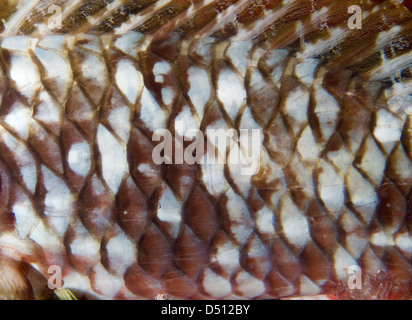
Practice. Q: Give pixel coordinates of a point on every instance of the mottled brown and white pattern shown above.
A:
(79, 188)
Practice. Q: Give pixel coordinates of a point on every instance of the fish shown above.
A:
(90, 92)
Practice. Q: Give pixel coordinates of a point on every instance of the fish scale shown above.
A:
(80, 190)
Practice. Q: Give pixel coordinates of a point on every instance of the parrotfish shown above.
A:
(85, 87)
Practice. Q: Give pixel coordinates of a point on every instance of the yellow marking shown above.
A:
(64, 294)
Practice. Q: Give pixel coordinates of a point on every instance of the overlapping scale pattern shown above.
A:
(78, 178)
(79, 187)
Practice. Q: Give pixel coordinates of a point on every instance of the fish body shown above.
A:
(82, 197)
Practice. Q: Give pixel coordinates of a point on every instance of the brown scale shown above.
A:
(122, 14)
(253, 12)
(204, 17)
(37, 14)
(175, 262)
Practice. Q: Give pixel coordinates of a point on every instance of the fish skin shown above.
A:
(79, 188)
